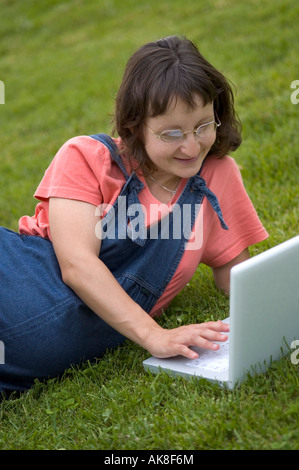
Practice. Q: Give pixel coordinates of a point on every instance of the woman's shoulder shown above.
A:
(213, 162)
(81, 169)
(215, 167)
(83, 153)
(88, 147)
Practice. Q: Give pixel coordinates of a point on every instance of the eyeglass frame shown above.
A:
(194, 131)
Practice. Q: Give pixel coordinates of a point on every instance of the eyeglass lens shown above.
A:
(177, 134)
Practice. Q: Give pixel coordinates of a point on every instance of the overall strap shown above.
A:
(132, 186)
(106, 140)
(198, 183)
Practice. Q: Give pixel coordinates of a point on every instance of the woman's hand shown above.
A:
(167, 343)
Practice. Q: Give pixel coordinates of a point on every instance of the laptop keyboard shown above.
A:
(211, 360)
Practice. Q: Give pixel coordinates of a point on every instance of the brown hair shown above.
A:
(154, 75)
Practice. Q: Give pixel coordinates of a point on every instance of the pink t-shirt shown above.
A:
(83, 170)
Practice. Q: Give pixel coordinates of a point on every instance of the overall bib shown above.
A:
(44, 326)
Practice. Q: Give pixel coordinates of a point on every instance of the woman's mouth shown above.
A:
(186, 160)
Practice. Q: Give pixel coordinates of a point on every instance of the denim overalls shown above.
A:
(44, 326)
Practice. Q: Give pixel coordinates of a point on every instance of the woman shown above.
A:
(122, 224)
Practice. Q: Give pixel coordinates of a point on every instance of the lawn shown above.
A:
(61, 63)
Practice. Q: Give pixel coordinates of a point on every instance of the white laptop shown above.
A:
(264, 320)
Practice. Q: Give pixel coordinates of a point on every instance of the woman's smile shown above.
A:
(186, 160)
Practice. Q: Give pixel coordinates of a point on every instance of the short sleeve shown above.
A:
(244, 225)
(81, 170)
(75, 172)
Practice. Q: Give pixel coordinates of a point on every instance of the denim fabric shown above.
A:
(44, 326)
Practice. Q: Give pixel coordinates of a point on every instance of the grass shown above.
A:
(61, 63)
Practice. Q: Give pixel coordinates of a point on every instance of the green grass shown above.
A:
(61, 63)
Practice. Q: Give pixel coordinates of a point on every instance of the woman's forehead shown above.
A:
(178, 112)
(178, 104)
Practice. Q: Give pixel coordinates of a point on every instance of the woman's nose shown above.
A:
(191, 145)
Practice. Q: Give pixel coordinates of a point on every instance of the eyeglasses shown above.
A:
(176, 135)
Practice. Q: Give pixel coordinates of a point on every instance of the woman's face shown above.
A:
(185, 157)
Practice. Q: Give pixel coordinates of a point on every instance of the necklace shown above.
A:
(172, 191)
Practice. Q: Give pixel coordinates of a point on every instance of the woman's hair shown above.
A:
(160, 71)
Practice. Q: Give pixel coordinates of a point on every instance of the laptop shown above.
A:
(263, 318)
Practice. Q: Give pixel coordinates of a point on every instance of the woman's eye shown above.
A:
(175, 134)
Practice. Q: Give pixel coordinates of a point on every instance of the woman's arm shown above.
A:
(222, 273)
(72, 228)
